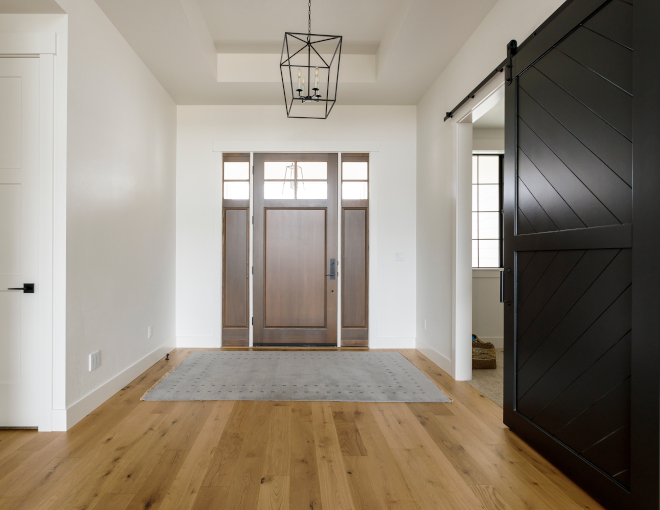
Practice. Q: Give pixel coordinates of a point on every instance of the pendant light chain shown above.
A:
(309, 22)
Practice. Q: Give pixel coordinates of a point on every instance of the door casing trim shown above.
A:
(461, 125)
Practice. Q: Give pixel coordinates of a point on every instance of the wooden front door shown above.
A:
(568, 242)
(295, 249)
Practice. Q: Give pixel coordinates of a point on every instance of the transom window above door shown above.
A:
(295, 180)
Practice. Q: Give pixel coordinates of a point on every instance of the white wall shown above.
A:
(120, 211)
(388, 130)
(436, 189)
(487, 311)
(488, 139)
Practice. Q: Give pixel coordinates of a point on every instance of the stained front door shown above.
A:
(19, 209)
(295, 249)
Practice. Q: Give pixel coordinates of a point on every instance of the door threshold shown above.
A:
(294, 345)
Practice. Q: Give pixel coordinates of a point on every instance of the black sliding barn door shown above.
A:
(568, 244)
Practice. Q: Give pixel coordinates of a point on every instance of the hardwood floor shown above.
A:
(130, 454)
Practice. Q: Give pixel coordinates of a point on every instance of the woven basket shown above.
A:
(483, 354)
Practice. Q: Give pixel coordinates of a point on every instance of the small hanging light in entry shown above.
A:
(310, 63)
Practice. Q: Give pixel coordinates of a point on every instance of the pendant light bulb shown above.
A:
(299, 83)
(316, 78)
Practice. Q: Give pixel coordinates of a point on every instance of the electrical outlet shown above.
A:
(398, 256)
(94, 360)
(424, 324)
(149, 332)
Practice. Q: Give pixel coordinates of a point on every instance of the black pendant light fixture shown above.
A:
(310, 71)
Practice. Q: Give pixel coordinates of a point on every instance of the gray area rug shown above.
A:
(296, 375)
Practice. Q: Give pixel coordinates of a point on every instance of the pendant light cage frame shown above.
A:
(310, 53)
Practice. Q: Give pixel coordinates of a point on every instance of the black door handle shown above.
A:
(27, 288)
(508, 303)
(332, 269)
(501, 286)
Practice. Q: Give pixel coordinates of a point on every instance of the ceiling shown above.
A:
(30, 7)
(492, 119)
(259, 25)
(228, 51)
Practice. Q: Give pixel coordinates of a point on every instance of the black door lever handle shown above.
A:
(332, 269)
(27, 288)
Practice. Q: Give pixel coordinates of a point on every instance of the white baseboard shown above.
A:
(497, 341)
(58, 420)
(439, 359)
(198, 342)
(91, 401)
(386, 342)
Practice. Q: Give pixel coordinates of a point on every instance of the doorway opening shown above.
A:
(295, 249)
(478, 131)
(487, 253)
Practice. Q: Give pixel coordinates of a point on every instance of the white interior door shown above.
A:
(19, 162)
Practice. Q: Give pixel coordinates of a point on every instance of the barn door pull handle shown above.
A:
(508, 303)
(331, 274)
(27, 288)
(501, 286)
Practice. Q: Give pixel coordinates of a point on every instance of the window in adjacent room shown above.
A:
(487, 210)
